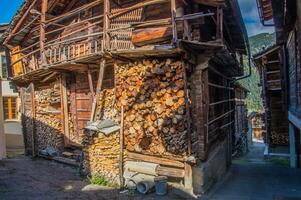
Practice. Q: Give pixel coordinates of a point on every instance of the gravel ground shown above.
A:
(23, 178)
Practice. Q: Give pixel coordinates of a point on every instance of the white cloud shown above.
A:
(251, 17)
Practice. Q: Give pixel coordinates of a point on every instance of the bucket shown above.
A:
(161, 185)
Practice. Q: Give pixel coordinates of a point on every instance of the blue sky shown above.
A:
(251, 18)
(8, 9)
(248, 9)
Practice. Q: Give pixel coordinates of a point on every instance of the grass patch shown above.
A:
(283, 162)
(100, 180)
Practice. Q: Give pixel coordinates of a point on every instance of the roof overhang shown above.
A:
(265, 9)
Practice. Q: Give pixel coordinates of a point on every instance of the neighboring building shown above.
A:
(286, 17)
(270, 67)
(163, 71)
(240, 141)
(11, 102)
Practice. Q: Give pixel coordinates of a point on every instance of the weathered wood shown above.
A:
(170, 172)
(33, 107)
(20, 22)
(42, 31)
(147, 36)
(173, 20)
(90, 79)
(121, 140)
(106, 25)
(188, 110)
(188, 177)
(153, 159)
(64, 110)
(98, 89)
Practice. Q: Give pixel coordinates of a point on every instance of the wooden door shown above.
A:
(28, 118)
(80, 107)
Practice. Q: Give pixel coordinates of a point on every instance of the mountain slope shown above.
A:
(257, 44)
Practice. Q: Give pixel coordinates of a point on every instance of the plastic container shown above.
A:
(161, 185)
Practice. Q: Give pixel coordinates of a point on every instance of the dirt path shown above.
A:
(26, 179)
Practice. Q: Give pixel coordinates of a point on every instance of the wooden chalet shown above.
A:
(286, 17)
(161, 70)
(269, 64)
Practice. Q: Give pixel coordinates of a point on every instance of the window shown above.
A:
(4, 66)
(10, 108)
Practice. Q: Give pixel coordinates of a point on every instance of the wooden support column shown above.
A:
(90, 79)
(219, 23)
(106, 25)
(188, 183)
(33, 118)
(293, 155)
(98, 89)
(121, 140)
(2, 133)
(188, 112)
(173, 21)
(42, 31)
(64, 110)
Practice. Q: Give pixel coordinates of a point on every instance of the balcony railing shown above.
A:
(115, 32)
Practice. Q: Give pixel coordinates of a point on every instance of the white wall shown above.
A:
(8, 89)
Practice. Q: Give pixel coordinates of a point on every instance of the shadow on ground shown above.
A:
(254, 178)
(23, 178)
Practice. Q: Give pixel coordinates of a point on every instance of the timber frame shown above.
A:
(75, 48)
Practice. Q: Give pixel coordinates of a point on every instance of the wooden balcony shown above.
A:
(135, 29)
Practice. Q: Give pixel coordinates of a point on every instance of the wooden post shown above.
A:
(219, 23)
(33, 118)
(90, 79)
(293, 156)
(121, 148)
(173, 21)
(42, 30)
(106, 25)
(187, 104)
(2, 133)
(98, 89)
(188, 183)
(64, 110)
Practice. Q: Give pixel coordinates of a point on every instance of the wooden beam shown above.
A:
(121, 141)
(98, 89)
(173, 8)
(106, 25)
(147, 36)
(219, 24)
(42, 31)
(20, 22)
(64, 110)
(33, 113)
(188, 178)
(90, 79)
(154, 159)
(188, 111)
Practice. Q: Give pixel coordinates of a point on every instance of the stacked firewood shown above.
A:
(152, 92)
(48, 119)
(101, 156)
(107, 106)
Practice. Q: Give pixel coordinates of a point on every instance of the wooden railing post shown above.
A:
(42, 31)
(106, 25)
(173, 21)
(219, 24)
